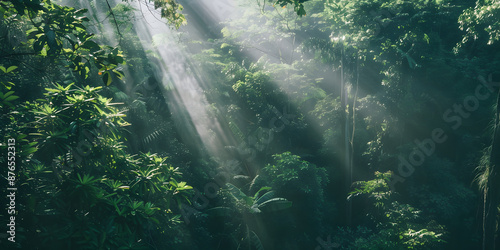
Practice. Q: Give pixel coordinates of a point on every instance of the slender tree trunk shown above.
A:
(491, 191)
(345, 136)
(353, 124)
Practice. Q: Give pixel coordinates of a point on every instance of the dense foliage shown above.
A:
(283, 124)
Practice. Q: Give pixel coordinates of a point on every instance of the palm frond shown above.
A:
(153, 136)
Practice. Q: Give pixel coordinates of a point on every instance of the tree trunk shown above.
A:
(491, 191)
(345, 136)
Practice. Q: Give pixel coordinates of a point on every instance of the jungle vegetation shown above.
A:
(250, 124)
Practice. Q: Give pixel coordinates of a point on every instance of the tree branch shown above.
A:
(114, 19)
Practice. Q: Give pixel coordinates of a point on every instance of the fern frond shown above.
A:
(153, 136)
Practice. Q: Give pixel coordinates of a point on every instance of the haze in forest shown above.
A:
(249, 124)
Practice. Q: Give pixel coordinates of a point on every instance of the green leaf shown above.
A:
(237, 193)
(267, 196)
(91, 45)
(10, 69)
(426, 38)
(21, 136)
(40, 43)
(274, 205)
(11, 98)
(118, 74)
(301, 11)
(29, 151)
(7, 94)
(51, 39)
(260, 190)
(106, 78)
